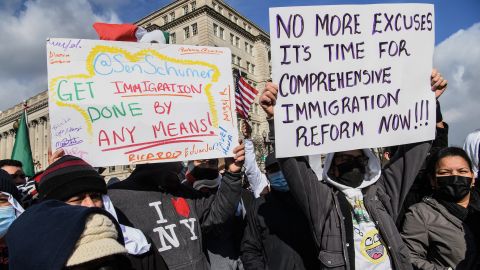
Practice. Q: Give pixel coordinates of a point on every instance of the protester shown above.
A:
(258, 180)
(422, 187)
(72, 180)
(442, 232)
(61, 236)
(278, 233)
(472, 147)
(222, 243)
(153, 200)
(10, 209)
(14, 168)
(353, 210)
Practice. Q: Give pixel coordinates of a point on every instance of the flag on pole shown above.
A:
(244, 96)
(21, 149)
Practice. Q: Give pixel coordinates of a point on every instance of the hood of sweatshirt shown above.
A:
(472, 147)
(372, 173)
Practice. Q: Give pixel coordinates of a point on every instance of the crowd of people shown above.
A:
(419, 208)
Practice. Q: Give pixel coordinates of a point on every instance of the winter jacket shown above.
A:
(175, 219)
(437, 239)
(45, 236)
(331, 223)
(278, 235)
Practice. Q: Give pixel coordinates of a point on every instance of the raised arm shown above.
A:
(217, 209)
(400, 173)
(258, 181)
(311, 194)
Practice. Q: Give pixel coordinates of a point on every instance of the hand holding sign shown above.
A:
(268, 98)
(438, 83)
(235, 164)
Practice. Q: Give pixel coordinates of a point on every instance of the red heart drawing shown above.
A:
(181, 206)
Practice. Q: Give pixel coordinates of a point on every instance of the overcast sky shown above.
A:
(25, 25)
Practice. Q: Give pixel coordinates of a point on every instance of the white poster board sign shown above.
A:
(352, 76)
(114, 103)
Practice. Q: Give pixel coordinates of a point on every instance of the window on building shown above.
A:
(249, 28)
(235, 19)
(248, 67)
(172, 16)
(215, 5)
(194, 29)
(251, 49)
(245, 25)
(230, 16)
(165, 19)
(215, 30)
(253, 69)
(246, 47)
(193, 5)
(111, 169)
(186, 32)
(234, 59)
(126, 167)
(185, 9)
(232, 39)
(237, 42)
(173, 38)
(239, 61)
(220, 9)
(222, 32)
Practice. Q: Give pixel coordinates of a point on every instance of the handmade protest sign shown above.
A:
(352, 76)
(116, 103)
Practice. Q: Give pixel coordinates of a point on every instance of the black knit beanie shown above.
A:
(68, 177)
(7, 185)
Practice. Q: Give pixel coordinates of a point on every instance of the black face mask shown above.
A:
(452, 188)
(204, 173)
(351, 173)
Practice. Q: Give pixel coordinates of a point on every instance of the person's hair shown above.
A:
(446, 152)
(10, 162)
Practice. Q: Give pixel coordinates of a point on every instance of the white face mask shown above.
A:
(7, 216)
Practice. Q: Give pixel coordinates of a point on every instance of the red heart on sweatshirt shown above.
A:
(181, 206)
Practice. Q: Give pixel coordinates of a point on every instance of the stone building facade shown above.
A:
(190, 22)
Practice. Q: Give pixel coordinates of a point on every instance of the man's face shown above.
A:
(344, 157)
(87, 199)
(17, 174)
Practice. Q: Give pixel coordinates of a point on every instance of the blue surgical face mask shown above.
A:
(278, 181)
(7, 216)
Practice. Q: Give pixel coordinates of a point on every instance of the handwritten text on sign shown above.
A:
(125, 103)
(352, 76)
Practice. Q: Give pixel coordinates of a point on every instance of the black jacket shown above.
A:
(175, 220)
(278, 235)
(383, 201)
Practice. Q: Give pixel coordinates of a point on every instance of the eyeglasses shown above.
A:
(343, 158)
(20, 175)
(78, 199)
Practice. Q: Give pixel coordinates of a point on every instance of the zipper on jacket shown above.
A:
(342, 229)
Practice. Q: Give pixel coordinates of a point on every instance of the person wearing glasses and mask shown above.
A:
(10, 209)
(442, 232)
(352, 212)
